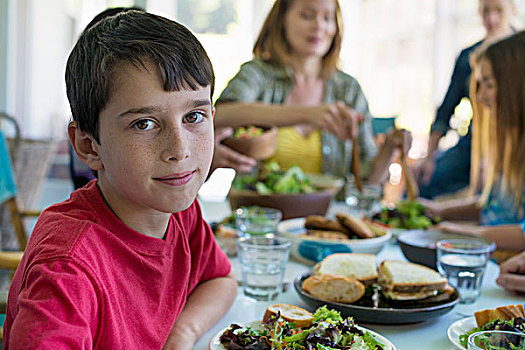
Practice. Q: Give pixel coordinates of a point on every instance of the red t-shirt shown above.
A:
(89, 281)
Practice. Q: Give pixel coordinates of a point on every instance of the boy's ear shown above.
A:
(85, 146)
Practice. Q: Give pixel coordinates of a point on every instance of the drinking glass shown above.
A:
(496, 340)
(463, 263)
(263, 261)
(255, 221)
(364, 201)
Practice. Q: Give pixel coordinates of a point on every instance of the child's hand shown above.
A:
(512, 274)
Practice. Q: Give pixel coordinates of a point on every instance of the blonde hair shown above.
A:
(272, 46)
(498, 144)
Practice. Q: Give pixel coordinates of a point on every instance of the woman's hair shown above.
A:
(499, 135)
(272, 46)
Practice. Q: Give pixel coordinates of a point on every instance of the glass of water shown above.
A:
(463, 263)
(255, 221)
(496, 340)
(263, 261)
(365, 201)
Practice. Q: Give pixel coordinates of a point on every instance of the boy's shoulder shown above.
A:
(61, 225)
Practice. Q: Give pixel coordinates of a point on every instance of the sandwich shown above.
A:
(291, 313)
(408, 281)
(335, 288)
(361, 267)
(505, 313)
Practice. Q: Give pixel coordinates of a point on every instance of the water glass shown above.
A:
(263, 261)
(496, 340)
(255, 221)
(463, 263)
(364, 201)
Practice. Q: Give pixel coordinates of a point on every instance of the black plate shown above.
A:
(383, 311)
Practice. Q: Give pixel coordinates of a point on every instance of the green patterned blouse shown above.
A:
(259, 81)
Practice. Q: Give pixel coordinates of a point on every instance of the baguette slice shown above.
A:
(355, 225)
(362, 267)
(408, 281)
(503, 312)
(335, 288)
(291, 313)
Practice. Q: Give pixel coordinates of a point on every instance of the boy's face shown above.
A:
(155, 146)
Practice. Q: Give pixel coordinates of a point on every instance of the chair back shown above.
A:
(7, 180)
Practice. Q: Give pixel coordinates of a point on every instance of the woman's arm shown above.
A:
(206, 305)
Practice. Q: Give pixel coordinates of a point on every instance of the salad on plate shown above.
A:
(327, 331)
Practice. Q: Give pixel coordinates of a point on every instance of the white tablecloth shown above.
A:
(428, 335)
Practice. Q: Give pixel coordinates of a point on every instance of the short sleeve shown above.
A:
(57, 309)
(208, 259)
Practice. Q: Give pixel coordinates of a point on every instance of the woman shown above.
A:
(450, 171)
(499, 72)
(293, 82)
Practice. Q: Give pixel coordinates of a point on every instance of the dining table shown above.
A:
(429, 334)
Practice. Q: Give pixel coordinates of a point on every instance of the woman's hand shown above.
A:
(512, 274)
(338, 119)
(399, 138)
(225, 157)
(423, 171)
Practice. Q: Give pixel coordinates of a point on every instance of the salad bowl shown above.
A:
(292, 205)
(254, 141)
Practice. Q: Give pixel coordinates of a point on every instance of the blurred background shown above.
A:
(401, 51)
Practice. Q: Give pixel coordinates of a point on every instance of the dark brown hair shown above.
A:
(131, 37)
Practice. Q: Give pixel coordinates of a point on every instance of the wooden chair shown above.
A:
(8, 196)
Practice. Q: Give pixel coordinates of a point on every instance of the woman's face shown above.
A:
(310, 27)
(496, 16)
(486, 93)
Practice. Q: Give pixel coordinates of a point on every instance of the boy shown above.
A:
(112, 267)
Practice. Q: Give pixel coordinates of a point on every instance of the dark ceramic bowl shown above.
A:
(419, 246)
(291, 205)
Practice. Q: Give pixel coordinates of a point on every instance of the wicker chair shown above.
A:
(24, 165)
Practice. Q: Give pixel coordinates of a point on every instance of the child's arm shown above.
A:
(206, 305)
(454, 209)
(506, 236)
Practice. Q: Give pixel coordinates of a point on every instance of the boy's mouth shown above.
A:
(177, 179)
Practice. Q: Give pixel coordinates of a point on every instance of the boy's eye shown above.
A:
(144, 124)
(194, 118)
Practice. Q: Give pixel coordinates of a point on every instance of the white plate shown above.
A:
(215, 343)
(312, 250)
(460, 327)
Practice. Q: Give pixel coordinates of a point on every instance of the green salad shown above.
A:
(514, 325)
(406, 215)
(272, 179)
(329, 331)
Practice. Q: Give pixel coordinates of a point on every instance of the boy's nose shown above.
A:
(176, 146)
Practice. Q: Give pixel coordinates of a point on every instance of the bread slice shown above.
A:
(408, 281)
(335, 288)
(355, 265)
(354, 225)
(503, 312)
(291, 313)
